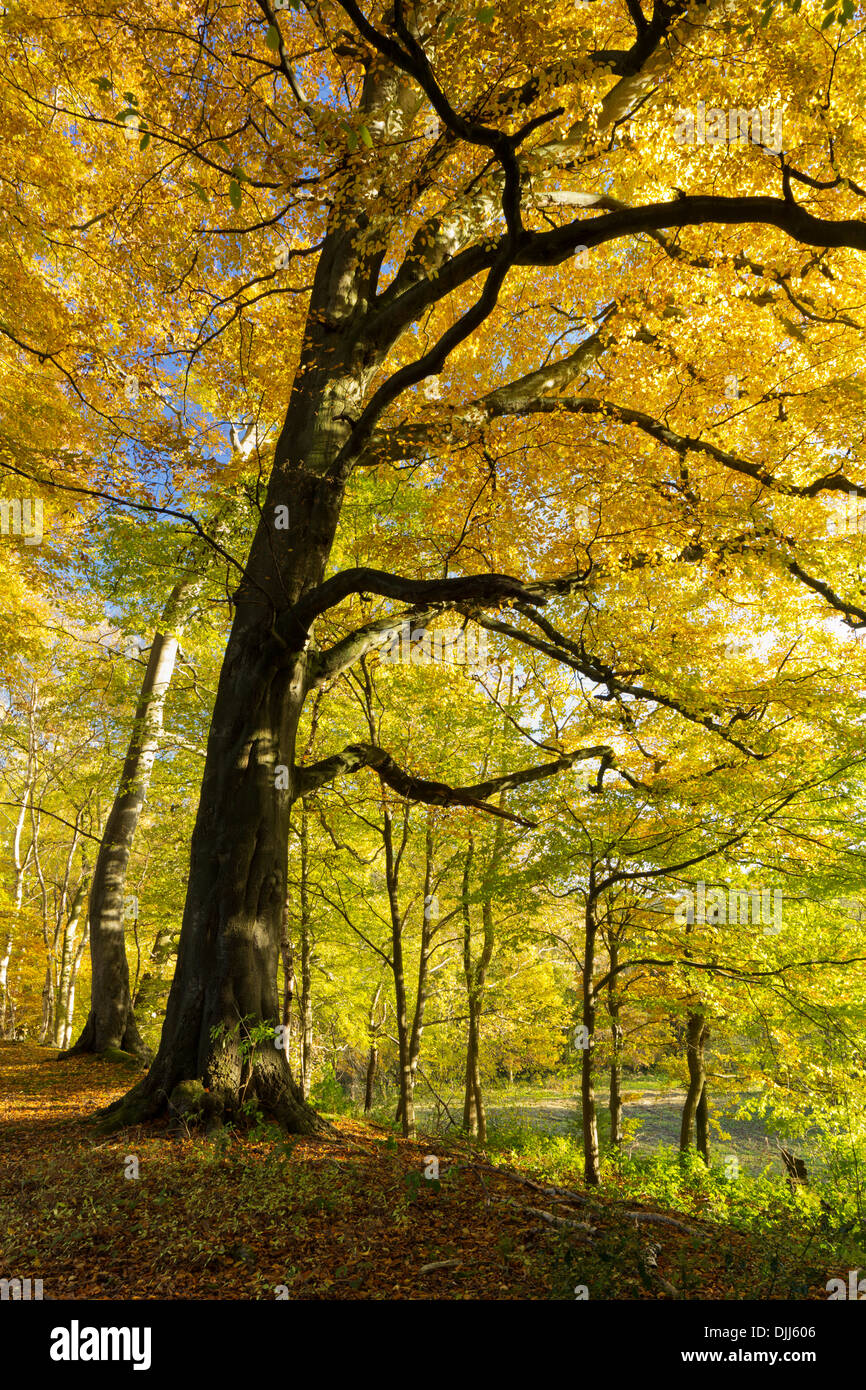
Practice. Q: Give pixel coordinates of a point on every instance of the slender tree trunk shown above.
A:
(288, 959)
(73, 980)
(613, 1008)
(702, 1131)
(697, 1033)
(470, 1113)
(5, 957)
(474, 1113)
(407, 1099)
(428, 931)
(373, 1027)
(111, 1021)
(306, 1052)
(66, 977)
(18, 869)
(149, 985)
(46, 1025)
(591, 1170)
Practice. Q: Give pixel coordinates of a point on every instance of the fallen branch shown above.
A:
(660, 1220)
(439, 1264)
(550, 1218)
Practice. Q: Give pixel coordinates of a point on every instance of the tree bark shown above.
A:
(288, 958)
(474, 1113)
(374, 1026)
(407, 1098)
(306, 1048)
(227, 961)
(111, 1020)
(613, 1008)
(19, 867)
(428, 931)
(69, 961)
(697, 1033)
(591, 1169)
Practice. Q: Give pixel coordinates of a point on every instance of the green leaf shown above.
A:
(235, 194)
(451, 26)
(127, 111)
(144, 141)
(131, 98)
(272, 38)
(352, 141)
(828, 20)
(201, 191)
(366, 137)
(486, 14)
(766, 17)
(103, 83)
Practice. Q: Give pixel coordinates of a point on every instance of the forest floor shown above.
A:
(263, 1215)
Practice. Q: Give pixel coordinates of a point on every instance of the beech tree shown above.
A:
(451, 179)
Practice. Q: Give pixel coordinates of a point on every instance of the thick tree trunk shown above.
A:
(111, 1021)
(591, 1169)
(227, 962)
(697, 1033)
(226, 973)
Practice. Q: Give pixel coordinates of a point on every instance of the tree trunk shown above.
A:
(226, 971)
(591, 1170)
(111, 1021)
(288, 958)
(46, 1025)
(306, 1051)
(613, 1008)
(65, 1002)
(702, 1134)
(19, 866)
(370, 1081)
(697, 1033)
(474, 1114)
(428, 931)
(5, 957)
(227, 961)
(407, 1097)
